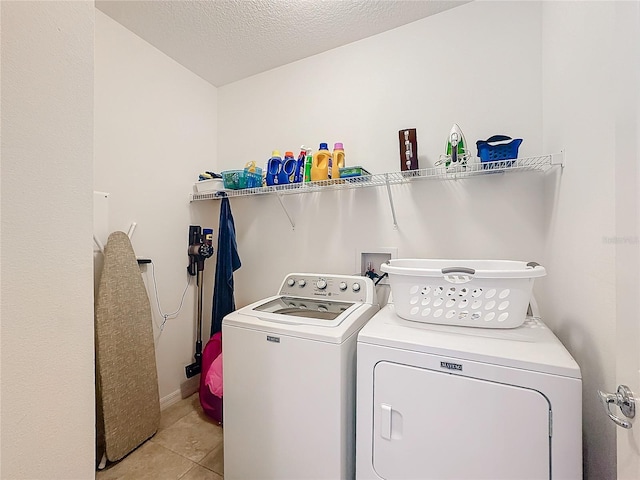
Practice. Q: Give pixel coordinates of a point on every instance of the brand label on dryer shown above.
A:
(273, 339)
(451, 366)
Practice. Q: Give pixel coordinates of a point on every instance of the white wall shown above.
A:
(478, 65)
(47, 303)
(579, 76)
(155, 131)
(539, 71)
(627, 222)
(510, 61)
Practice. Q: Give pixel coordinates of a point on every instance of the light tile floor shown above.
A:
(187, 446)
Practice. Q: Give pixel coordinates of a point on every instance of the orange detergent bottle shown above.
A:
(320, 164)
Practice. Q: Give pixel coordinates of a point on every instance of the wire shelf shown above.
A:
(474, 168)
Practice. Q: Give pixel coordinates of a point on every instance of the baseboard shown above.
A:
(186, 389)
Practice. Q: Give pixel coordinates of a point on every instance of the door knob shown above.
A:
(623, 399)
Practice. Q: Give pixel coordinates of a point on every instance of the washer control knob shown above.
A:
(343, 286)
(321, 284)
(291, 282)
(356, 287)
(302, 282)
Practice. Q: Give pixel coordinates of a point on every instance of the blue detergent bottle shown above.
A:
(274, 166)
(288, 170)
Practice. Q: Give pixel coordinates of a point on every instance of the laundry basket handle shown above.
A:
(497, 138)
(464, 270)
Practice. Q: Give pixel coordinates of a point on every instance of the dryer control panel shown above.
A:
(346, 288)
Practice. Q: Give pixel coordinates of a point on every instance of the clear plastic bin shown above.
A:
(239, 179)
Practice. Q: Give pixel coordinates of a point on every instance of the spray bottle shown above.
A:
(299, 175)
(307, 166)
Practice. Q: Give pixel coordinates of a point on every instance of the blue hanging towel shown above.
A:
(227, 262)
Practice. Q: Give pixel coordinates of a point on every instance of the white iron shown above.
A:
(456, 152)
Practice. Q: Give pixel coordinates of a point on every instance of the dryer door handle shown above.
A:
(385, 421)
(390, 422)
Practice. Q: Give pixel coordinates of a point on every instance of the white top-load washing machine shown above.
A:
(449, 402)
(289, 379)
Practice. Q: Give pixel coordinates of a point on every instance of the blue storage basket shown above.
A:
(490, 151)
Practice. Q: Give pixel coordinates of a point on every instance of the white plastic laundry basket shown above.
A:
(470, 293)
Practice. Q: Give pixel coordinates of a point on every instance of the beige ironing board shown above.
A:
(127, 400)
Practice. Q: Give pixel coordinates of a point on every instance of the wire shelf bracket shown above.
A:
(286, 212)
(393, 210)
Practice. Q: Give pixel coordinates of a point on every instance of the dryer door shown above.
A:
(436, 425)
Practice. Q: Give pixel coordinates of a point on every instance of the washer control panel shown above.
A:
(346, 288)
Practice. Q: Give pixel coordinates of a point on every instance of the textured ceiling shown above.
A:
(227, 40)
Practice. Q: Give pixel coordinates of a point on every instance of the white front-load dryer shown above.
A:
(441, 402)
(289, 379)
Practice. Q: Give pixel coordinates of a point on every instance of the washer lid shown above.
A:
(301, 311)
(532, 346)
(304, 308)
(311, 327)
